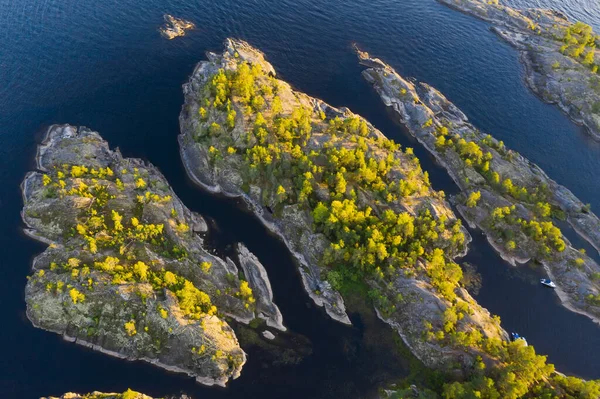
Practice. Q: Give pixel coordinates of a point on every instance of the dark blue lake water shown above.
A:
(103, 64)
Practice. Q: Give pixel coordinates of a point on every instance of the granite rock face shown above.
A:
(126, 272)
(258, 279)
(201, 138)
(448, 135)
(554, 70)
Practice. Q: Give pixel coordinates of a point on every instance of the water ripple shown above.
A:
(587, 11)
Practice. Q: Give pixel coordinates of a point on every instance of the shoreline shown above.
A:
(257, 212)
(514, 27)
(202, 380)
(387, 83)
(529, 80)
(206, 372)
(295, 227)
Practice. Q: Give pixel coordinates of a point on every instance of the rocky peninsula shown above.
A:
(175, 27)
(126, 272)
(508, 197)
(357, 212)
(561, 58)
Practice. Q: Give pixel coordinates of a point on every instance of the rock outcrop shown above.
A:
(175, 27)
(227, 148)
(560, 58)
(126, 272)
(511, 199)
(258, 279)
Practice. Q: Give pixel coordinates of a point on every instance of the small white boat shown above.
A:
(548, 283)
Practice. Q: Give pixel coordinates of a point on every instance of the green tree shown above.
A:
(474, 197)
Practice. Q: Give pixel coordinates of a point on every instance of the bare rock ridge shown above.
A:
(561, 59)
(511, 199)
(244, 133)
(175, 27)
(257, 277)
(126, 272)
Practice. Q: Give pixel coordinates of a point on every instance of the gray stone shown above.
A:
(261, 286)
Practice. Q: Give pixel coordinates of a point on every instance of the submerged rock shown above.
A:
(511, 199)
(125, 272)
(561, 60)
(175, 27)
(268, 335)
(228, 146)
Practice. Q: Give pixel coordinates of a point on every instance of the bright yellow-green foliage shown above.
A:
(140, 269)
(205, 266)
(140, 183)
(193, 302)
(521, 373)
(46, 180)
(163, 313)
(478, 157)
(364, 243)
(246, 293)
(101, 227)
(182, 228)
(129, 394)
(474, 197)
(374, 242)
(545, 233)
(130, 328)
(580, 44)
(76, 296)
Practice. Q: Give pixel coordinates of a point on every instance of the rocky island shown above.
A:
(351, 206)
(561, 58)
(359, 215)
(511, 199)
(126, 272)
(175, 27)
(129, 394)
